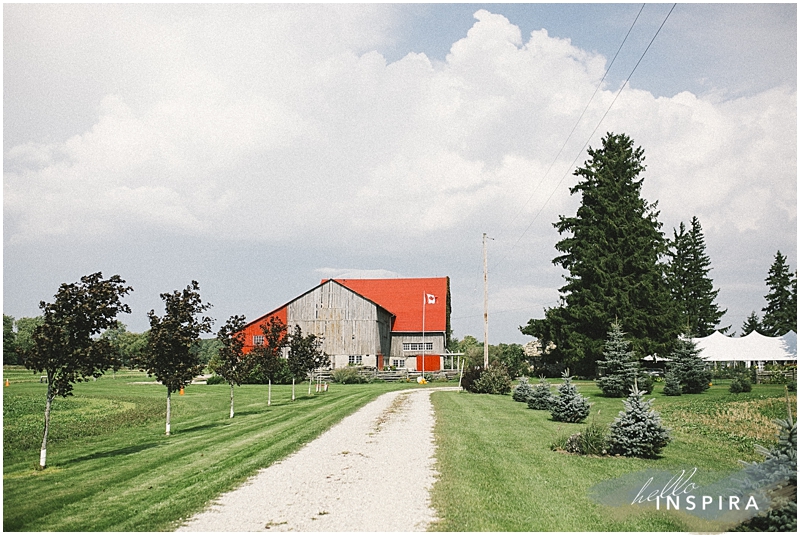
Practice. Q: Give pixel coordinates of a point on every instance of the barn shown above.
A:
(382, 323)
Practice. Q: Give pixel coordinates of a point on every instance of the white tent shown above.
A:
(754, 347)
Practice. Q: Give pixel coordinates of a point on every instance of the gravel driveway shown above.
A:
(372, 471)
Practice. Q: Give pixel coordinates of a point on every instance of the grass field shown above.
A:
(498, 472)
(110, 466)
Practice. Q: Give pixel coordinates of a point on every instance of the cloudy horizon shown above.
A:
(261, 148)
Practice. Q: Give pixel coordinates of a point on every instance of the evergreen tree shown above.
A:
(620, 368)
(569, 405)
(672, 384)
(777, 474)
(613, 254)
(780, 314)
(690, 286)
(541, 398)
(637, 431)
(752, 323)
(522, 391)
(689, 367)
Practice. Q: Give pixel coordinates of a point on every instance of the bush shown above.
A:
(348, 376)
(740, 384)
(215, 380)
(569, 406)
(541, 398)
(470, 376)
(591, 441)
(494, 380)
(522, 391)
(637, 431)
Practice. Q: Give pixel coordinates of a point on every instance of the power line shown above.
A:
(593, 132)
(575, 126)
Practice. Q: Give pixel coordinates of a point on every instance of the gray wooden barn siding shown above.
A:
(399, 338)
(350, 324)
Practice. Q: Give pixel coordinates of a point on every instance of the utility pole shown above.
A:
(485, 306)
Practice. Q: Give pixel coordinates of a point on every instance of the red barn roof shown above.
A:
(405, 298)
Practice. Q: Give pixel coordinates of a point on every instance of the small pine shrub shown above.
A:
(541, 397)
(522, 391)
(672, 385)
(619, 367)
(494, 380)
(778, 473)
(569, 405)
(637, 431)
(689, 367)
(740, 384)
(215, 380)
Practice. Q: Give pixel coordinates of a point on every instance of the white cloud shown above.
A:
(284, 123)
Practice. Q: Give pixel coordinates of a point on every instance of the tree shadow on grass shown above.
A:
(199, 428)
(248, 413)
(114, 453)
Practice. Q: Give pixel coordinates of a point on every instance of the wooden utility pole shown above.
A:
(485, 306)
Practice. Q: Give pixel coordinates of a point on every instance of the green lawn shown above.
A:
(110, 466)
(498, 472)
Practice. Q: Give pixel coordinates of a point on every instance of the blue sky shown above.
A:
(261, 148)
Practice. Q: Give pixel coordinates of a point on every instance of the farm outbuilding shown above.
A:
(401, 323)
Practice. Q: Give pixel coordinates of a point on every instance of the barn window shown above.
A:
(354, 359)
(258, 340)
(418, 346)
(399, 363)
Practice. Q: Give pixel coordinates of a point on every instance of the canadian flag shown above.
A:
(431, 298)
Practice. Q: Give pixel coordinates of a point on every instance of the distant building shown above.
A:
(372, 322)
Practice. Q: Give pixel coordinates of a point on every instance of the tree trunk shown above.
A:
(293, 389)
(269, 394)
(49, 403)
(311, 378)
(168, 409)
(231, 400)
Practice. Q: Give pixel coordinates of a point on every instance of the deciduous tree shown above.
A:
(171, 354)
(65, 345)
(612, 251)
(305, 353)
(9, 341)
(232, 364)
(265, 360)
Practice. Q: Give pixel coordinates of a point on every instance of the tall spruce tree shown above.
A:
(752, 323)
(691, 288)
(780, 314)
(613, 254)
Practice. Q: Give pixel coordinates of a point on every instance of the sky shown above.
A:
(261, 148)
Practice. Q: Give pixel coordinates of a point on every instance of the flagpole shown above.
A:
(424, 304)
